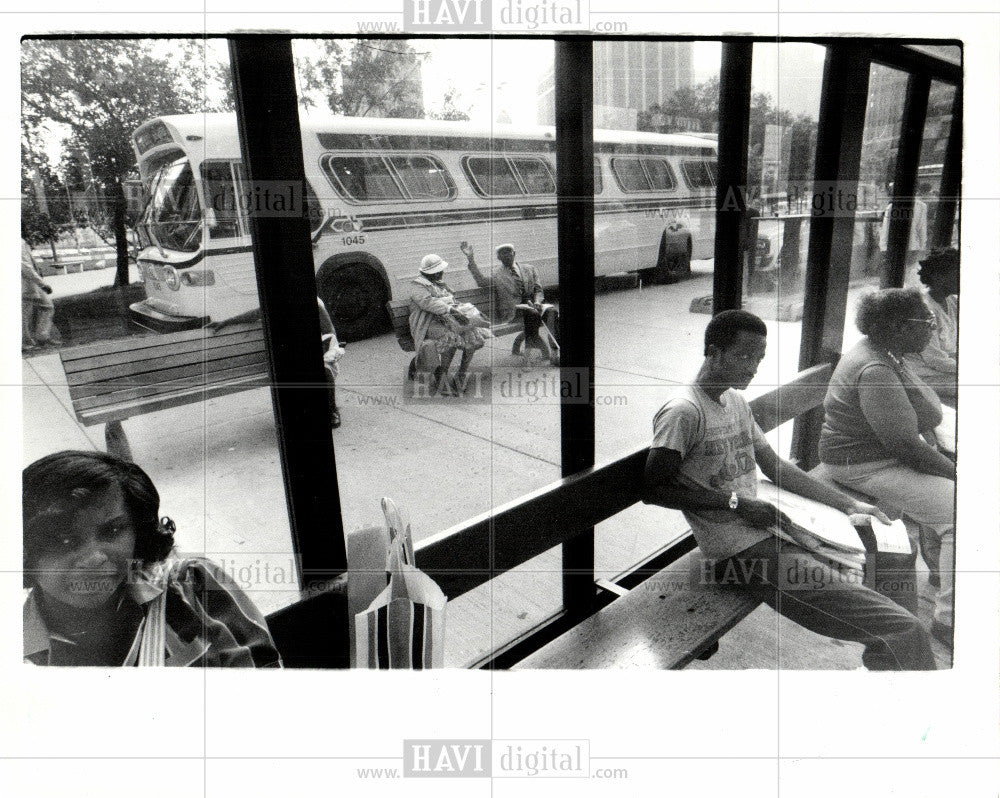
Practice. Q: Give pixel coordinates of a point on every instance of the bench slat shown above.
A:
(163, 367)
(119, 412)
(134, 359)
(86, 405)
(203, 361)
(802, 394)
(165, 380)
(165, 339)
(664, 623)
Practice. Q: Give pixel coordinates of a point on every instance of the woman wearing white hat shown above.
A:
(436, 325)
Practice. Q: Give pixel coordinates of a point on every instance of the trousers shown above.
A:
(927, 499)
(830, 601)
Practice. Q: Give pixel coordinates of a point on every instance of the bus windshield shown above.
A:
(174, 210)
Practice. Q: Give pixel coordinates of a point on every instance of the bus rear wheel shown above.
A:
(355, 295)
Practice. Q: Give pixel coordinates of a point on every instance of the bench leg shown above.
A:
(116, 442)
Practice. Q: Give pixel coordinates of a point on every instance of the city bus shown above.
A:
(382, 193)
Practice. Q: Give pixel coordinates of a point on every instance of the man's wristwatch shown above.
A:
(734, 501)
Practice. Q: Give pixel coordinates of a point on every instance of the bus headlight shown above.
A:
(170, 278)
(198, 278)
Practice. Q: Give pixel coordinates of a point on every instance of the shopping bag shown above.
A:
(404, 625)
(397, 611)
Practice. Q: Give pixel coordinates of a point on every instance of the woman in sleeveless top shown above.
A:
(878, 431)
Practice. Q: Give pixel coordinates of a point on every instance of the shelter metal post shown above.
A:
(267, 115)
(575, 212)
(843, 103)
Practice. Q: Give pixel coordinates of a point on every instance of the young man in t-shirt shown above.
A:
(703, 460)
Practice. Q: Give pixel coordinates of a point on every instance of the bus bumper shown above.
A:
(150, 318)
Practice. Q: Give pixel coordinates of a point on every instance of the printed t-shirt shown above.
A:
(716, 442)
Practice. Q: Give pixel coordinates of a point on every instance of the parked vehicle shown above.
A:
(381, 193)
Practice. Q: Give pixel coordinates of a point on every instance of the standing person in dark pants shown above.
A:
(37, 309)
(517, 293)
(703, 460)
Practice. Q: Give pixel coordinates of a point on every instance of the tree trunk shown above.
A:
(118, 225)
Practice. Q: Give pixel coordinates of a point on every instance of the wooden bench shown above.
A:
(399, 315)
(111, 381)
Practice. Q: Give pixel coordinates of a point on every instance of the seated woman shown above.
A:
(104, 589)
(878, 438)
(440, 328)
(937, 364)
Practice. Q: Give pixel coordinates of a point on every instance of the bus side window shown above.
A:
(630, 174)
(221, 195)
(598, 179)
(661, 176)
(697, 174)
(535, 175)
(362, 177)
(713, 171)
(423, 177)
(491, 176)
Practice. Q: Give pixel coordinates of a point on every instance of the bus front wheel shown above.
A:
(355, 295)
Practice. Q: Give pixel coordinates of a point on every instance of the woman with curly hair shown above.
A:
(104, 588)
(878, 432)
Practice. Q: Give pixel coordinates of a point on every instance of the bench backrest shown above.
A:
(470, 554)
(150, 372)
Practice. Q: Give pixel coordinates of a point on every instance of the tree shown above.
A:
(102, 90)
(380, 78)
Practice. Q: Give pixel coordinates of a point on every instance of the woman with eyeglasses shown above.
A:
(878, 432)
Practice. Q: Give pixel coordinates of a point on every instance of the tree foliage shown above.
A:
(375, 78)
(102, 90)
(700, 103)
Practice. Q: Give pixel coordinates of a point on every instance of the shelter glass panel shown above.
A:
(654, 241)
(444, 419)
(131, 367)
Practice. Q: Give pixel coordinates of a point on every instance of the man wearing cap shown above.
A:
(435, 322)
(516, 291)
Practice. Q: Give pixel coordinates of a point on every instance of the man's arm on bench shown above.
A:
(790, 477)
(662, 486)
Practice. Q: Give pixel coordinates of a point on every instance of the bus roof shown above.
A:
(217, 132)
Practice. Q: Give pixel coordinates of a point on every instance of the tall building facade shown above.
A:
(629, 77)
